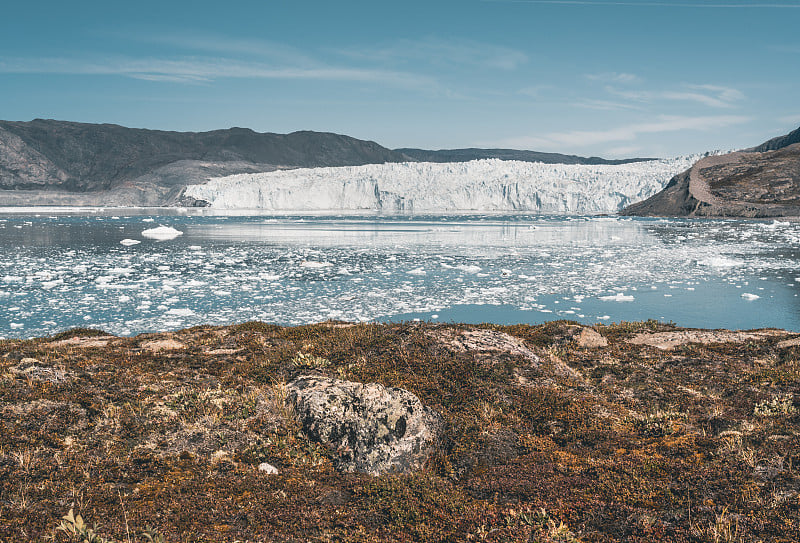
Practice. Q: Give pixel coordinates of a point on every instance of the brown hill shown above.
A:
(59, 162)
(760, 182)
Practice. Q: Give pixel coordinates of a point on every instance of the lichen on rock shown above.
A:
(368, 427)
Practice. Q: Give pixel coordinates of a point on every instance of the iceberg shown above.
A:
(478, 185)
(162, 233)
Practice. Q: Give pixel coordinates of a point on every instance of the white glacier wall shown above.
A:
(479, 185)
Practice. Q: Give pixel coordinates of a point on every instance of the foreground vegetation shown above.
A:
(160, 437)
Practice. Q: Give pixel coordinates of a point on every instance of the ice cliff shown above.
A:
(479, 185)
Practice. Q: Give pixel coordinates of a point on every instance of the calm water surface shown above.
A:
(60, 270)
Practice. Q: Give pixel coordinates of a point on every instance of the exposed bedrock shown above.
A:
(370, 428)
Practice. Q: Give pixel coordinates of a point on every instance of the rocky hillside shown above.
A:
(402, 432)
(58, 162)
(763, 181)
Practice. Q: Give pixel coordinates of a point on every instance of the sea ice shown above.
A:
(180, 312)
(162, 233)
(719, 262)
(748, 296)
(618, 297)
(314, 264)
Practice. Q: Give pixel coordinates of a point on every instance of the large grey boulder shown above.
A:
(371, 428)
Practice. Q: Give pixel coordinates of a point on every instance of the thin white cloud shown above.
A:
(200, 69)
(605, 105)
(709, 95)
(709, 5)
(623, 151)
(441, 52)
(228, 46)
(614, 77)
(790, 119)
(630, 132)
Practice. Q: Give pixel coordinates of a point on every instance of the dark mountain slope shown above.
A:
(48, 162)
(778, 143)
(84, 157)
(464, 155)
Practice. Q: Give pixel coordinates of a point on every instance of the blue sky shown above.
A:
(593, 77)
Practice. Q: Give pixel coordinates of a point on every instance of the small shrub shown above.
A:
(310, 361)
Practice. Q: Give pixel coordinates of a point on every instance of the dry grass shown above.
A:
(544, 441)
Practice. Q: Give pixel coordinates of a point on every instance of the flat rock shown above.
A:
(786, 343)
(669, 340)
(163, 345)
(84, 342)
(588, 338)
(370, 428)
(481, 340)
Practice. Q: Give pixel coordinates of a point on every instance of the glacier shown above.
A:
(478, 185)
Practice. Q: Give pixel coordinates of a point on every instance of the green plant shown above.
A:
(78, 531)
(305, 360)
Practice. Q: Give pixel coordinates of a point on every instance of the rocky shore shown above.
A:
(402, 432)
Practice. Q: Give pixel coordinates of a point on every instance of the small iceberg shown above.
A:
(128, 242)
(748, 296)
(618, 297)
(314, 264)
(162, 233)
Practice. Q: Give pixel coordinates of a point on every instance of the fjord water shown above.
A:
(61, 270)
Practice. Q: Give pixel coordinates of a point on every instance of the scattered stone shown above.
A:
(588, 338)
(84, 342)
(483, 341)
(669, 340)
(370, 428)
(786, 343)
(269, 469)
(163, 345)
(216, 352)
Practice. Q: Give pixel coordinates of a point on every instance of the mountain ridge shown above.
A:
(52, 162)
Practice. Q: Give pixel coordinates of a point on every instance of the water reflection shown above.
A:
(63, 270)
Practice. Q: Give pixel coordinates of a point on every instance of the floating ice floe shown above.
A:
(618, 297)
(180, 312)
(748, 296)
(162, 233)
(314, 264)
(719, 262)
(128, 242)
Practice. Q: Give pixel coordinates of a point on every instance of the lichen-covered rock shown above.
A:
(589, 338)
(370, 428)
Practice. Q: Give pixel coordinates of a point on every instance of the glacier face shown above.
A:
(413, 187)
